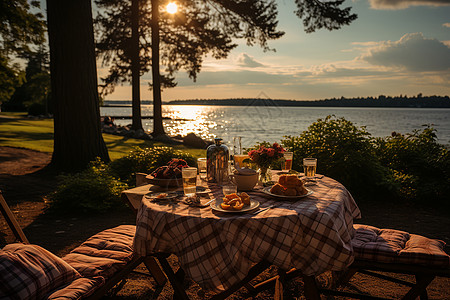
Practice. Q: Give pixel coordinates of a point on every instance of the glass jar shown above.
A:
(217, 156)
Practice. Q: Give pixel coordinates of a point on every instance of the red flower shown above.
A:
(271, 152)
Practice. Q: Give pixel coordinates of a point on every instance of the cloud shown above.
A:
(245, 60)
(446, 25)
(412, 52)
(402, 4)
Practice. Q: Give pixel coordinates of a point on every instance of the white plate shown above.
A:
(216, 206)
(266, 190)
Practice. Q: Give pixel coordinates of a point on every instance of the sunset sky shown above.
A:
(394, 47)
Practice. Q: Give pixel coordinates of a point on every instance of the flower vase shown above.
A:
(265, 175)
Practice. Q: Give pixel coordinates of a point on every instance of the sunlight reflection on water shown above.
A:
(259, 123)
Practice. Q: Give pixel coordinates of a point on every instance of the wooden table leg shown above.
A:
(155, 270)
(311, 290)
(254, 271)
(179, 292)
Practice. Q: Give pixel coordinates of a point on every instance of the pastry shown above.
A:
(277, 189)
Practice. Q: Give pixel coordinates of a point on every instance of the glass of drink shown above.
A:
(237, 145)
(309, 166)
(189, 181)
(229, 188)
(288, 156)
(201, 164)
(239, 161)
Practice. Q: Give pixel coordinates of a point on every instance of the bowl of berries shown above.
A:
(168, 175)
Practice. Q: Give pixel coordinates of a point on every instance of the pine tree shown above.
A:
(198, 28)
(77, 133)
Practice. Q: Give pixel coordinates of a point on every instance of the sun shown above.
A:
(172, 7)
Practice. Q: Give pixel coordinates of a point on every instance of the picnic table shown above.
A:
(217, 250)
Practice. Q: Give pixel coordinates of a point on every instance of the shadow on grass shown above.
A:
(26, 136)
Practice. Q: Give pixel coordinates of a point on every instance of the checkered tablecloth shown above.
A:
(217, 249)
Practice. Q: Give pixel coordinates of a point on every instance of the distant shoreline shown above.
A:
(381, 101)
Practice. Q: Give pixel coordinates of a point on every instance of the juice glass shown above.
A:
(189, 181)
(309, 166)
(239, 161)
(201, 164)
(288, 157)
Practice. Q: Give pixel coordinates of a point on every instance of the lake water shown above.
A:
(267, 123)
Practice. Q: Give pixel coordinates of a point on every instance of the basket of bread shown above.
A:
(288, 186)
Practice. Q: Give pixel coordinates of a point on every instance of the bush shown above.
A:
(345, 153)
(420, 166)
(92, 190)
(145, 161)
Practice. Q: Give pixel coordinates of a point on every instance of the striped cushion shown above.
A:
(105, 253)
(80, 288)
(31, 272)
(395, 246)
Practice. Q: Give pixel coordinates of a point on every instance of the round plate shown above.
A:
(154, 195)
(165, 182)
(266, 190)
(215, 205)
(202, 190)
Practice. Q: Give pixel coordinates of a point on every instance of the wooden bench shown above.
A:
(100, 263)
(376, 250)
(395, 251)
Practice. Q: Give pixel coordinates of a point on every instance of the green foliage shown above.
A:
(345, 153)
(19, 28)
(9, 79)
(323, 14)
(420, 165)
(146, 160)
(92, 190)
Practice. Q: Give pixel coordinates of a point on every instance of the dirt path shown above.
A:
(25, 183)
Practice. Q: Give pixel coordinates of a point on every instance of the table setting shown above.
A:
(294, 220)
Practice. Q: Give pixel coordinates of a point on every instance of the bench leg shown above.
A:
(279, 285)
(419, 289)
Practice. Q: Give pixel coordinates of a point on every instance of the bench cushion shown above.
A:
(395, 246)
(105, 253)
(80, 288)
(31, 272)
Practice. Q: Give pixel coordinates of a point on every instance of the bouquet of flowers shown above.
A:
(264, 156)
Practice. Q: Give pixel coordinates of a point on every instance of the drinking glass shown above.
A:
(229, 188)
(189, 181)
(288, 157)
(237, 145)
(201, 164)
(309, 166)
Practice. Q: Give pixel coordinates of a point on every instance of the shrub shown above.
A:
(146, 160)
(345, 153)
(92, 190)
(420, 165)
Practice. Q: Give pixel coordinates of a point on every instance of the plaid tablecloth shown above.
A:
(217, 249)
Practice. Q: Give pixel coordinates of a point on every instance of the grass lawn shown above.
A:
(16, 131)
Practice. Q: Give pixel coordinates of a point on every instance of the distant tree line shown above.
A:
(419, 101)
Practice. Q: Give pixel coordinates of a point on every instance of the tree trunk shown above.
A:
(136, 123)
(77, 134)
(158, 128)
